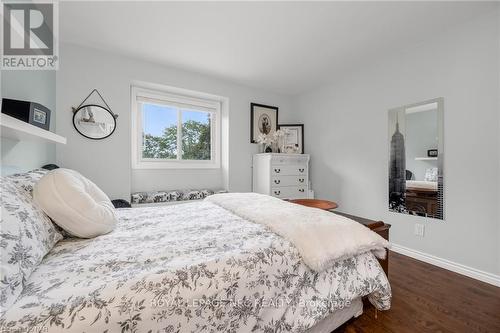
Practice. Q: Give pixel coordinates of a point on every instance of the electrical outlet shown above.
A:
(419, 230)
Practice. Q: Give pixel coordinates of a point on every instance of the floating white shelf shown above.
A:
(16, 129)
(426, 158)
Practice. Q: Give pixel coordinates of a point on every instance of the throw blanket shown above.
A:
(320, 237)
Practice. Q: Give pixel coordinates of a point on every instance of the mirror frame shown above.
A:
(440, 157)
(102, 107)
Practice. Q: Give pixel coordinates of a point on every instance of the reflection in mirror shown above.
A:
(416, 159)
(94, 121)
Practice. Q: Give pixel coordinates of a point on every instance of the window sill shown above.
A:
(175, 165)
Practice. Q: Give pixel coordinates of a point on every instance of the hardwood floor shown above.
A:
(427, 298)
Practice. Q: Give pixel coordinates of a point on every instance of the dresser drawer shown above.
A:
(289, 192)
(281, 159)
(288, 170)
(288, 181)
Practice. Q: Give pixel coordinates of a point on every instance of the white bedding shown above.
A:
(421, 184)
(338, 317)
(320, 236)
(189, 268)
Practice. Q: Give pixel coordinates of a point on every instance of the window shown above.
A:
(174, 130)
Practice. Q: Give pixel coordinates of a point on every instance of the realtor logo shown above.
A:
(29, 35)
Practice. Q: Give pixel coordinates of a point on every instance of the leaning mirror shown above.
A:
(94, 121)
(416, 159)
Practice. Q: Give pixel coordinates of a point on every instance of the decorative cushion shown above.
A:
(27, 180)
(26, 236)
(171, 196)
(120, 203)
(75, 203)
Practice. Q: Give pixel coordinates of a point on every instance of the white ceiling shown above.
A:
(284, 47)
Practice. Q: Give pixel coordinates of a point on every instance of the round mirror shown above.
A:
(94, 121)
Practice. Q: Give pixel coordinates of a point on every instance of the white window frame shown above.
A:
(175, 96)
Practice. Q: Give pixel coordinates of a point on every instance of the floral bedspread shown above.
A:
(192, 267)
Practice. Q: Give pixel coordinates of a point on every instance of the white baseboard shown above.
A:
(447, 264)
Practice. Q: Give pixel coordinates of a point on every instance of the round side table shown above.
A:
(316, 203)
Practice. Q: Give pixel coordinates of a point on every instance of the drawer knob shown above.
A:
(301, 170)
(301, 190)
(277, 170)
(277, 181)
(301, 180)
(277, 192)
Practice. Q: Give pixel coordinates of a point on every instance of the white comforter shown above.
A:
(320, 236)
(420, 184)
(187, 268)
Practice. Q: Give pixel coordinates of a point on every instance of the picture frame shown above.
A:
(263, 119)
(432, 153)
(295, 138)
(39, 116)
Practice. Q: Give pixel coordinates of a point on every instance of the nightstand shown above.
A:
(315, 203)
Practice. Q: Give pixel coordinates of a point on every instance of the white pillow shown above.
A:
(75, 203)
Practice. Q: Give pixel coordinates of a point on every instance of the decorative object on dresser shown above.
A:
(29, 112)
(293, 139)
(94, 121)
(266, 141)
(272, 142)
(284, 176)
(263, 120)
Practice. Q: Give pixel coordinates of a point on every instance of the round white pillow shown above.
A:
(75, 203)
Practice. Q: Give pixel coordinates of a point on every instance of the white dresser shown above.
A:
(283, 176)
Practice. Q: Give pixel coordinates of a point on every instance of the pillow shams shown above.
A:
(26, 236)
(28, 179)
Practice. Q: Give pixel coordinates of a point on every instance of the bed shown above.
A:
(195, 267)
(422, 197)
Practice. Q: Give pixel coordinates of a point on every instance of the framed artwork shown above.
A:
(294, 139)
(263, 119)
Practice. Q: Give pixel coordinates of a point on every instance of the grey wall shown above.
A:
(349, 142)
(35, 86)
(498, 168)
(421, 135)
(107, 162)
